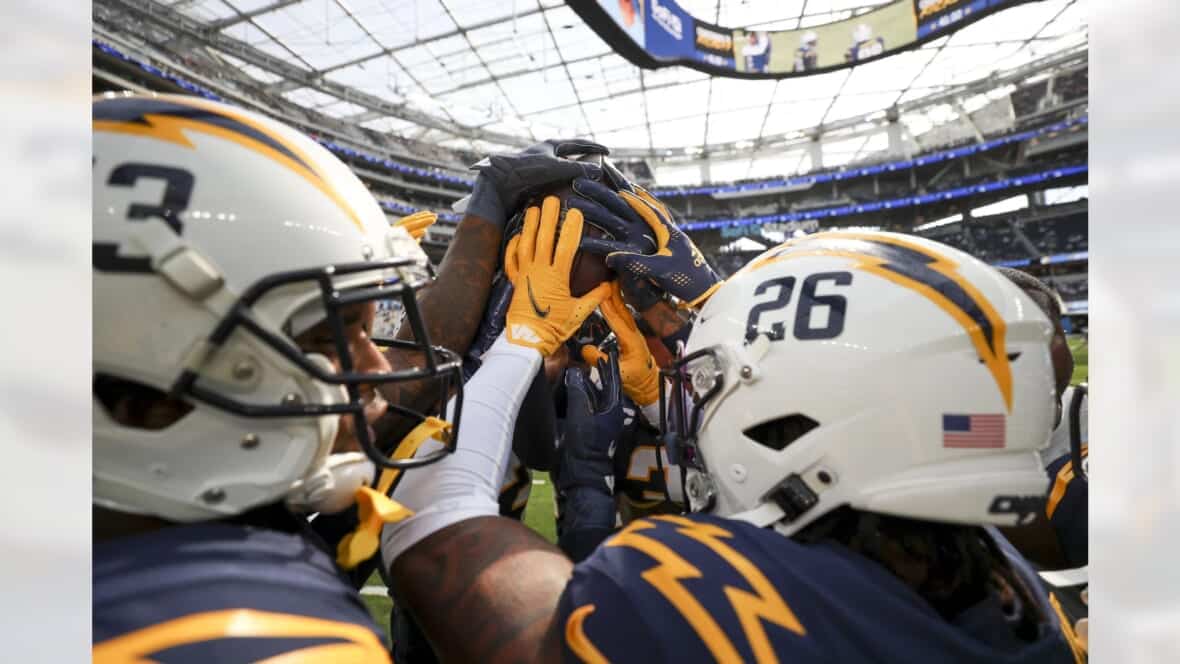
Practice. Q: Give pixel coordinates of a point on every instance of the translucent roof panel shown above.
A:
(503, 72)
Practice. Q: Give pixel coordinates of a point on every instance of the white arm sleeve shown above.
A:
(466, 484)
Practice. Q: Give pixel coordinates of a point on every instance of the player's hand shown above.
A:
(676, 265)
(637, 368)
(417, 223)
(594, 422)
(603, 208)
(505, 180)
(543, 313)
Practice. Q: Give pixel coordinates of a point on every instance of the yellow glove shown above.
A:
(543, 313)
(637, 367)
(417, 223)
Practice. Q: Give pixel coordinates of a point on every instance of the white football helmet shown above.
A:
(220, 235)
(881, 371)
(862, 33)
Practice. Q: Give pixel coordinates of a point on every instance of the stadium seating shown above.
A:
(1072, 288)
(1058, 235)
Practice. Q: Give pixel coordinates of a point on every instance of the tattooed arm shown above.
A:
(485, 590)
(452, 307)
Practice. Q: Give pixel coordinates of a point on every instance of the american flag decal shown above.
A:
(973, 431)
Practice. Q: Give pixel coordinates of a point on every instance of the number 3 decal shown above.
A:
(808, 300)
(178, 189)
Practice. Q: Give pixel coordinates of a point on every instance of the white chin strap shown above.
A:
(332, 487)
(761, 516)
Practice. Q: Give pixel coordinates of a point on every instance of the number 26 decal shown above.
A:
(804, 326)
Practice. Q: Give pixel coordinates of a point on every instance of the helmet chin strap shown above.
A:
(332, 487)
(345, 479)
(761, 516)
(342, 481)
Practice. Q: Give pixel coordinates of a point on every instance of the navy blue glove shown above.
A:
(637, 220)
(594, 422)
(596, 419)
(505, 181)
(494, 316)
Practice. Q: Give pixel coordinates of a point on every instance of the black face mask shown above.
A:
(441, 368)
(686, 388)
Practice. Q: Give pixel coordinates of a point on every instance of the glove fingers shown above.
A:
(511, 260)
(547, 234)
(620, 321)
(577, 391)
(564, 148)
(567, 243)
(594, 298)
(652, 218)
(655, 203)
(601, 247)
(527, 245)
(591, 355)
(616, 177)
(563, 170)
(418, 218)
(607, 198)
(609, 375)
(603, 218)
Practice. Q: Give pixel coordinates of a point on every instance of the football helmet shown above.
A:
(881, 371)
(219, 236)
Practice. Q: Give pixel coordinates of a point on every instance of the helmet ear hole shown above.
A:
(780, 432)
(136, 405)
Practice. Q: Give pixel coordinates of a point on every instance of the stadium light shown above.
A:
(1000, 207)
(939, 222)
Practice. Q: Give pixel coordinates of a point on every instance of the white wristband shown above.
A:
(466, 484)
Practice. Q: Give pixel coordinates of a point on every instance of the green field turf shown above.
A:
(538, 515)
(1081, 357)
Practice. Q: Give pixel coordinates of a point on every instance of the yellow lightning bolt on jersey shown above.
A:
(764, 604)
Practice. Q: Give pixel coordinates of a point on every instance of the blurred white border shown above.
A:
(45, 337)
(1135, 331)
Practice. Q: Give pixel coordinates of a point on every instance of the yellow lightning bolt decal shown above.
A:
(751, 608)
(171, 128)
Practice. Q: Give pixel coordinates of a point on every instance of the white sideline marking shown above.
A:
(538, 481)
(375, 590)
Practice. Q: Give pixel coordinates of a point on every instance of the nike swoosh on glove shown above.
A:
(543, 313)
(676, 266)
(640, 375)
(505, 180)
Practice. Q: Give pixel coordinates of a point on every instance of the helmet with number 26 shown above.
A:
(880, 371)
(220, 237)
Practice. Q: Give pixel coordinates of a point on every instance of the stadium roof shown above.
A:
(531, 69)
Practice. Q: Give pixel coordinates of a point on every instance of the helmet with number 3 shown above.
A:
(219, 237)
(880, 371)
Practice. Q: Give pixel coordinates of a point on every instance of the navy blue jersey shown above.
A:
(639, 482)
(225, 593)
(1068, 509)
(701, 588)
